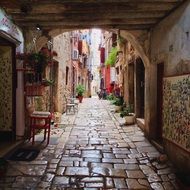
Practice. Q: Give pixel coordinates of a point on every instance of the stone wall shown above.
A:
(62, 45)
(170, 44)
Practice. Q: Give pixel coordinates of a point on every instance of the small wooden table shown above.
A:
(40, 120)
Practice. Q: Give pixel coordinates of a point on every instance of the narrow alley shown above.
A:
(91, 150)
(107, 81)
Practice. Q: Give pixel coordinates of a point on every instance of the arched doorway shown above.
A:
(150, 83)
(139, 88)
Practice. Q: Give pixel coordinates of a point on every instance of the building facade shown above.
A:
(11, 75)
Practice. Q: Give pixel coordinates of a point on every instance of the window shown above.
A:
(79, 80)
(75, 54)
(67, 74)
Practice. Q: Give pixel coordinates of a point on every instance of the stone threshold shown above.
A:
(141, 123)
(158, 145)
(7, 147)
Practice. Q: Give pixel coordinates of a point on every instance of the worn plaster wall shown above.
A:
(62, 45)
(170, 44)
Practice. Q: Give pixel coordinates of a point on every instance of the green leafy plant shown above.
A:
(112, 57)
(121, 40)
(110, 97)
(127, 110)
(47, 82)
(37, 60)
(80, 89)
(118, 101)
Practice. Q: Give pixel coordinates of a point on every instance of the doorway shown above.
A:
(160, 75)
(131, 84)
(140, 88)
(74, 81)
(7, 91)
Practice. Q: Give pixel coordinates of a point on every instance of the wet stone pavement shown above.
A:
(92, 151)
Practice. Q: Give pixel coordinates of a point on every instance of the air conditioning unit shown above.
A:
(75, 54)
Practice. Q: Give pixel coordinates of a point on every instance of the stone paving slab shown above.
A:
(92, 150)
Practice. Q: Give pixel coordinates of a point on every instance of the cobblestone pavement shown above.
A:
(91, 151)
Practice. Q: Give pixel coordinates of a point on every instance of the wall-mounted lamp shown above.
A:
(38, 27)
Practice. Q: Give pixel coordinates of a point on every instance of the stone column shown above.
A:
(20, 111)
(150, 100)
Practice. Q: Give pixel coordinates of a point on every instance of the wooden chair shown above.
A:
(74, 101)
(70, 105)
(40, 120)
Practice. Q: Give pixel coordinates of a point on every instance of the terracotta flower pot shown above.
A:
(80, 99)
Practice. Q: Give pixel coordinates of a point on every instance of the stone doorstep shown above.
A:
(6, 148)
(141, 123)
(158, 146)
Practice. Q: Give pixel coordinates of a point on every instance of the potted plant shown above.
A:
(118, 102)
(37, 61)
(127, 112)
(80, 91)
(47, 82)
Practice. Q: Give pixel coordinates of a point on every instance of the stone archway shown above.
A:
(150, 83)
(138, 42)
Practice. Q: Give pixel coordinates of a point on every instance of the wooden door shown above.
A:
(140, 85)
(160, 75)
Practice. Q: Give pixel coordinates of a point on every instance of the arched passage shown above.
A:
(150, 84)
(150, 95)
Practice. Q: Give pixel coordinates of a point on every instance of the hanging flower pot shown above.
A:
(37, 61)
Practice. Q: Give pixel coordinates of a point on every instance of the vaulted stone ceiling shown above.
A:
(78, 14)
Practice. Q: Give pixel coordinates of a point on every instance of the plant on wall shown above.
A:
(35, 64)
(47, 82)
(112, 57)
(121, 40)
(38, 60)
